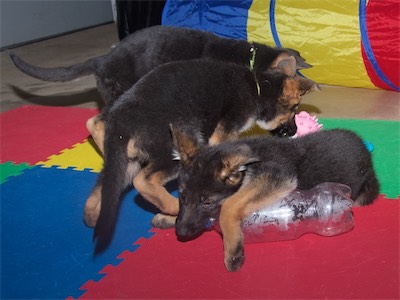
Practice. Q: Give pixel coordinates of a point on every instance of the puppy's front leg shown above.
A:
(151, 187)
(233, 211)
(220, 134)
(253, 196)
(233, 241)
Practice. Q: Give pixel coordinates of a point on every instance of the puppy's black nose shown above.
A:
(181, 232)
(186, 232)
(284, 131)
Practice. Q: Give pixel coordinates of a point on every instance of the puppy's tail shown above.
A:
(116, 176)
(369, 191)
(55, 74)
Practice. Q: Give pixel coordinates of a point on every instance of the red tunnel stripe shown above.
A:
(383, 19)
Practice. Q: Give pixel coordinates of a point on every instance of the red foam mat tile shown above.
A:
(33, 133)
(361, 264)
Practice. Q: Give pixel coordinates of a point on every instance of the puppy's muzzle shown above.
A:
(285, 130)
(187, 231)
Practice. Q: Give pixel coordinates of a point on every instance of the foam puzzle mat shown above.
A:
(48, 166)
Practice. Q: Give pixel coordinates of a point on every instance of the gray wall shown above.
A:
(26, 21)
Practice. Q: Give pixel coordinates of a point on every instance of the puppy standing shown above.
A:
(242, 177)
(213, 101)
(142, 51)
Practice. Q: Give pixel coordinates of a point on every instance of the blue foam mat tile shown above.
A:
(46, 250)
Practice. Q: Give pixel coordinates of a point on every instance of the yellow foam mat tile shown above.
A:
(80, 157)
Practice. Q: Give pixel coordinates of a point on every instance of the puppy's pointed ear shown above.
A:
(307, 85)
(185, 146)
(233, 168)
(286, 64)
(300, 61)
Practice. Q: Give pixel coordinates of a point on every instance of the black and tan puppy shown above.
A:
(145, 49)
(239, 178)
(148, 48)
(212, 100)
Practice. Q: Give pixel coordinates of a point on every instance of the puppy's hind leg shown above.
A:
(151, 187)
(95, 125)
(369, 191)
(92, 207)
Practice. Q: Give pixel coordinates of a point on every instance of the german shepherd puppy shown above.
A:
(148, 48)
(238, 178)
(214, 101)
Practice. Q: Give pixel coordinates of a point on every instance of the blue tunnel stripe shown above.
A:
(274, 31)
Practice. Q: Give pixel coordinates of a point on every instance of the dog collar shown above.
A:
(252, 58)
(251, 65)
(258, 86)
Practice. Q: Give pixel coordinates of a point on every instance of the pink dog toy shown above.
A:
(306, 123)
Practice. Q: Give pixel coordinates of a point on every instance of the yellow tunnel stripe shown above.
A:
(327, 34)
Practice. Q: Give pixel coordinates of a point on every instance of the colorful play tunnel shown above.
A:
(349, 42)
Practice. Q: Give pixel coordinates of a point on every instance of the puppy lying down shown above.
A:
(241, 177)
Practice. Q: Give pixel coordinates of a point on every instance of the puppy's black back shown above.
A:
(196, 94)
(326, 156)
(338, 156)
(148, 48)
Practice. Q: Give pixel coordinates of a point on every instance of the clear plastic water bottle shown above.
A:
(324, 210)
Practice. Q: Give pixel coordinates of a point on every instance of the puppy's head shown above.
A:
(208, 175)
(281, 91)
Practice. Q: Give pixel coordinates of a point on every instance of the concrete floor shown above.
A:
(19, 89)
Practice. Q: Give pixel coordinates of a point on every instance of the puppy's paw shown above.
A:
(234, 263)
(92, 208)
(90, 218)
(235, 260)
(163, 221)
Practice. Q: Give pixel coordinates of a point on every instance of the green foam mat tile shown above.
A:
(8, 169)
